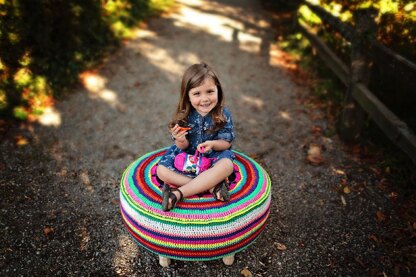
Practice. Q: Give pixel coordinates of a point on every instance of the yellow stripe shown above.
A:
(195, 246)
(196, 221)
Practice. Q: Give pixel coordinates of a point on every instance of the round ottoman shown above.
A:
(199, 227)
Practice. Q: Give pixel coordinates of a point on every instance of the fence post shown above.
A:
(353, 117)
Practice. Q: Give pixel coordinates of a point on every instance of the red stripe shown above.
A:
(153, 196)
(140, 180)
(181, 253)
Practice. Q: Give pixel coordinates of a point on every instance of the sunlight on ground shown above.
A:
(253, 101)
(230, 24)
(193, 16)
(145, 34)
(93, 82)
(50, 117)
(285, 115)
(96, 86)
(162, 59)
(125, 252)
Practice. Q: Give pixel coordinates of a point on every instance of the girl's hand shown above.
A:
(205, 147)
(178, 134)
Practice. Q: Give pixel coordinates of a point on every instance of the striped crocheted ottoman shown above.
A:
(199, 227)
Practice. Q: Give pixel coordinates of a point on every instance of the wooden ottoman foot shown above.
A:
(163, 261)
(228, 260)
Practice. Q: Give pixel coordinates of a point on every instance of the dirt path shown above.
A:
(59, 211)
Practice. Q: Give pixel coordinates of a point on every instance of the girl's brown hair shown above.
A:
(193, 77)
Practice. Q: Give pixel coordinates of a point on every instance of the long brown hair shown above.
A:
(193, 77)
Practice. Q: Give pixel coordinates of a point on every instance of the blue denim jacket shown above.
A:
(198, 134)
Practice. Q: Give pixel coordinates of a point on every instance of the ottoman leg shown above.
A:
(163, 261)
(228, 260)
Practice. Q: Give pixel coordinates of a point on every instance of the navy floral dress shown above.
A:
(198, 134)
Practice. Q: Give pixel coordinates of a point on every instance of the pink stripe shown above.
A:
(185, 236)
(189, 216)
(209, 242)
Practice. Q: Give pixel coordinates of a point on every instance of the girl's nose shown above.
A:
(205, 98)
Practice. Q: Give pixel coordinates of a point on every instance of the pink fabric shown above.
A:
(193, 164)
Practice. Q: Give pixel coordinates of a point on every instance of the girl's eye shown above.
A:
(196, 94)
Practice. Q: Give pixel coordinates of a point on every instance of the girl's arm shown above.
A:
(216, 145)
(182, 144)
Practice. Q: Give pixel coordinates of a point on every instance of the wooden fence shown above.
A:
(360, 102)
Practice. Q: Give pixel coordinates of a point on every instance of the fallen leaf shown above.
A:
(317, 130)
(280, 246)
(397, 270)
(347, 190)
(314, 155)
(377, 171)
(21, 140)
(358, 260)
(374, 238)
(86, 180)
(63, 172)
(356, 149)
(47, 231)
(343, 201)
(339, 171)
(246, 273)
(393, 195)
(380, 216)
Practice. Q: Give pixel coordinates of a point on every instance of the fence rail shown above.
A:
(359, 99)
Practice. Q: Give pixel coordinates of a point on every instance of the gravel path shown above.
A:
(59, 179)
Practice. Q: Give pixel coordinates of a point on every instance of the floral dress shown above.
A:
(198, 134)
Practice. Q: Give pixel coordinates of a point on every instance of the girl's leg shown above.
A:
(207, 179)
(171, 177)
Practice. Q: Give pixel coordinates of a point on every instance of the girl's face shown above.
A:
(205, 97)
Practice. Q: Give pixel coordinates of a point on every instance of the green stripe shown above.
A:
(261, 172)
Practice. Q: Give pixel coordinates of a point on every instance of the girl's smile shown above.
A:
(205, 97)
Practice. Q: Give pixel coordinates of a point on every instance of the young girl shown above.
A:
(200, 108)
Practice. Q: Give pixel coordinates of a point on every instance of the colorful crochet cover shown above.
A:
(199, 227)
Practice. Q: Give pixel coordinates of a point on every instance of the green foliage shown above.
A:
(45, 44)
(396, 20)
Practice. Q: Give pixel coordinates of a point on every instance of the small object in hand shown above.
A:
(184, 128)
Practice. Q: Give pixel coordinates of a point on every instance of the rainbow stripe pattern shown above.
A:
(199, 227)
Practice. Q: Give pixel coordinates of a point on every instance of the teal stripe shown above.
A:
(261, 173)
